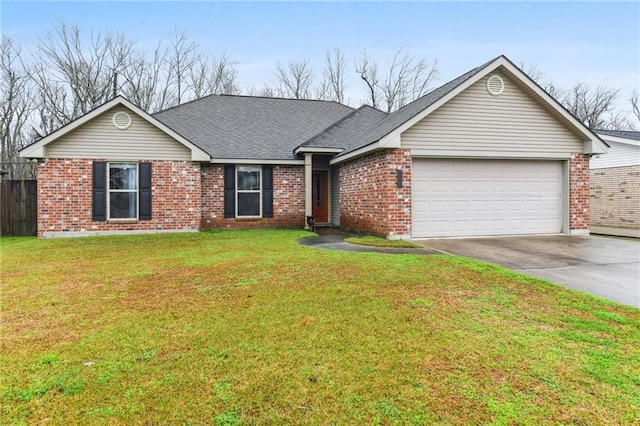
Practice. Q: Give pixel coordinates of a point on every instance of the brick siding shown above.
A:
(579, 192)
(188, 196)
(370, 200)
(615, 197)
(288, 200)
(65, 198)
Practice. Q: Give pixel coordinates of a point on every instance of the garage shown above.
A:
(477, 197)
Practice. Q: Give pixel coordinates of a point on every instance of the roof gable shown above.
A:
(38, 149)
(386, 134)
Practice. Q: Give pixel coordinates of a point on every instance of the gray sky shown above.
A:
(595, 42)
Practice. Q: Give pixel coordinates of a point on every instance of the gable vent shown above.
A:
(495, 85)
(121, 120)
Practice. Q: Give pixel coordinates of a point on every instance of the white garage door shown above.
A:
(454, 198)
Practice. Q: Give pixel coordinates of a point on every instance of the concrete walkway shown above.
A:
(333, 239)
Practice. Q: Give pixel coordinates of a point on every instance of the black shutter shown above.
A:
(267, 191)
(144, 191)
(99, 202)
(229, 190)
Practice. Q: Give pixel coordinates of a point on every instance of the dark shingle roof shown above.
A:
(343, 132)
(246, 127)
(401, 116)
(620, 134)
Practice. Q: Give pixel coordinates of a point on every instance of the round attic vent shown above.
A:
(495, 85)
(121, 120)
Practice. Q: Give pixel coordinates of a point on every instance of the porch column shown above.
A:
(308, 187)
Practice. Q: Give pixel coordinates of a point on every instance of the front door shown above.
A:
(321, 195)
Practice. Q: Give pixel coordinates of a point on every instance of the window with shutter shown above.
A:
(248, 191)
(123, 191)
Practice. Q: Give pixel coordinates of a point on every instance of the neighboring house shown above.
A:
(615, 185)
(489, 153)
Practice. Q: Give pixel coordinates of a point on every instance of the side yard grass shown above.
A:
(369, 240)
(248, 327)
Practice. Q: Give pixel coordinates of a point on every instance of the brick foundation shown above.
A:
(579, 192)
(65, 198)
(288, 200)
(615, 197)
(370, 200)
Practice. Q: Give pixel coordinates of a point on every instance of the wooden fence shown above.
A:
(18, 208)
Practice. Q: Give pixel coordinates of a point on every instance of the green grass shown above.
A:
(369, 240)
(248, 327)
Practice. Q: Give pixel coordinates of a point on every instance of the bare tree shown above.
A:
(15, 110)
(405, 80)
(295, 80)
(333, 84)
(210, 75)
(266, 91)
(176, 73)
(538, 76)
(73, 77)
(367, 68)
(146, 81)
(531, 70)
(589, 104)
(635, 105)
(182, 58)
(593, 106)
(616, 120)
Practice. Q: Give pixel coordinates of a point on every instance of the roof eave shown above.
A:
(284, 162)
(317, 150)
(618, 139)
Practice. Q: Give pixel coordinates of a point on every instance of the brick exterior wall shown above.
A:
(579, 192)
(288, 200)
(188, 196)
(65, 198)
(370, 200)
(615, 197)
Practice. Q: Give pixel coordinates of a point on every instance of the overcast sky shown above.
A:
(596, 42)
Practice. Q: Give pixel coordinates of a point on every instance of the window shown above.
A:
(248, 191)
(123, 191)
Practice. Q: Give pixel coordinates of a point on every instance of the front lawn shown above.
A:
(248, 327)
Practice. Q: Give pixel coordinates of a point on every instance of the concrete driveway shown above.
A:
(605, 267)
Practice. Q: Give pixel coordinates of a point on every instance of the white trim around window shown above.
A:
(248, 191)
(122, 191)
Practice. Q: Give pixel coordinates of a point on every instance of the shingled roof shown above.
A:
(247, 127)
(252, 128)
(342, 133)
(620, 134)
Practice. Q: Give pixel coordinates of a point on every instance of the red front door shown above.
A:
(321, 195)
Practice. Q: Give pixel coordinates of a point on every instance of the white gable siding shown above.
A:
(475, 123)
(619, 155)
(100, 139)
